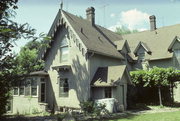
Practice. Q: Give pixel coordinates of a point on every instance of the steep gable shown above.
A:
(175, 44)
(95, 39)
(144, 46)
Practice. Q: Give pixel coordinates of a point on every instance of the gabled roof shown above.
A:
(144, 45)
(120, 44)
(176, 38)
(158, 41)
(96, 38)
(108, 76)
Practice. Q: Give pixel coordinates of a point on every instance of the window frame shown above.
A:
(62, 88)
(177, 53)
(62, 46)
(141, 57)
(25, 86)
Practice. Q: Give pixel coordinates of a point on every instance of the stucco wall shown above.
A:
(97, 61)
(78, 76)
(27, 104)
(165, 63)
(176, 91)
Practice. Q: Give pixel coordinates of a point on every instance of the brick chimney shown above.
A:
(90, 12)
(152, 22)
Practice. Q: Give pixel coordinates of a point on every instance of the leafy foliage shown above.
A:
(156, 77)
(124, 30)
(11, 31)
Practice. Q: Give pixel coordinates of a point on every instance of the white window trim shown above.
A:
(59, 88)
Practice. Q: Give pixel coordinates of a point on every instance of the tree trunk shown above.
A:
(160, 99)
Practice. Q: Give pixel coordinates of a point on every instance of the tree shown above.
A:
(10, 31)
(155, 77)
(124, 30)
(26, 61)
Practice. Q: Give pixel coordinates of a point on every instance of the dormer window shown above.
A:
(177, 53)
(141, 57)
(64, 51)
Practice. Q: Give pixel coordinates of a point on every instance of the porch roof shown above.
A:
(108, 76)
(39, 73)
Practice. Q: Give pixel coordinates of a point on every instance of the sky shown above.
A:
(134, 14)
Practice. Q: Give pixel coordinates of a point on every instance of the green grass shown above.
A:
(166, 116)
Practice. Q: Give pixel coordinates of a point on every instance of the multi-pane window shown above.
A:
(63, 87)
(107, 92)
(33, 87)
(64, 51)
(15, 90)
(27, 87)
(21, 88)
(177, 53)
(141, 57)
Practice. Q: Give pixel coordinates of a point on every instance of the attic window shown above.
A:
(141, 57)
(64, 51)
(177, 53)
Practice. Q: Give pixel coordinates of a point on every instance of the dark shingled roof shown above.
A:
(96, 38)
(108, 76)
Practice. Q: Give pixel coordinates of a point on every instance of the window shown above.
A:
(177, 53)
(64, 51)
(15, 90)
(21, 88)
(27, 87)
(33, 87)
(63, 87)
(30, 87)
(107, 91)
(141, 57)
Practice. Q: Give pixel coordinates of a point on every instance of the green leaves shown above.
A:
(124, 30)
(155, 76)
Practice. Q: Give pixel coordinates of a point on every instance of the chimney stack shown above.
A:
(152, 22)
(90, 12)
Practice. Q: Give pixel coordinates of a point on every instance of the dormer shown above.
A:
(175, 45)
(122, 46)
(141, 50)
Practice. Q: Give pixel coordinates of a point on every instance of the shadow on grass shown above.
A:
(117, 117)
(27, 118)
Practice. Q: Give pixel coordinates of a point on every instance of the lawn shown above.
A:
(165, 116)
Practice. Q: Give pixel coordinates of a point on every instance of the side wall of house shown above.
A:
(165, 63)
(78, 75)
(120, 92)
(27, 104)
(97, 61)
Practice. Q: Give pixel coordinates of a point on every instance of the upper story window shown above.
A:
(63, 87)
(177, 53)
(64, 51)
(141, 57)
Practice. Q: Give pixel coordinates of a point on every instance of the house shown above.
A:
(86, 61)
